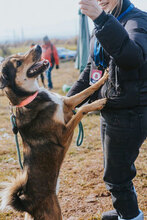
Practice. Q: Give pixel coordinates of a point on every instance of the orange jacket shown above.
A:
(49, 53)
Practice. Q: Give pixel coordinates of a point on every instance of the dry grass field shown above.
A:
(82, 192)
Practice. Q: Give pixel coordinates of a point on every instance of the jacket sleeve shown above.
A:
(56, 57)
(126, 45)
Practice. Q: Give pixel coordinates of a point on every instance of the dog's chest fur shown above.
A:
(59, 114)
(46, 104)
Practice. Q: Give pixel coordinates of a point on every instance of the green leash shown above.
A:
(80, 137)
(15, 131)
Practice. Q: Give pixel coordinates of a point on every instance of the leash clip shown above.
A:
(14, 126)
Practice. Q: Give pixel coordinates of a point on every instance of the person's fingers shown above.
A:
(90, 8)
(85, 12)
(83, 7)
(84, 2)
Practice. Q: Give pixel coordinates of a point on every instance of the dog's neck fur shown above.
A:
(28, 100)
(14, 98)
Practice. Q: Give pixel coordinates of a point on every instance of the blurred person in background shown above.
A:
(49, 52)
(119, 45)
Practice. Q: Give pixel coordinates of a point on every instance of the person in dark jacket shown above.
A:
(119, 44)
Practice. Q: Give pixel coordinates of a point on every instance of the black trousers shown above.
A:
(122, 133)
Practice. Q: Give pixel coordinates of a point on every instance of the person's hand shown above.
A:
(90, 8)
(57, 66)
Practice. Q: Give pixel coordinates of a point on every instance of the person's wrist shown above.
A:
(97, 14)
(101, 19)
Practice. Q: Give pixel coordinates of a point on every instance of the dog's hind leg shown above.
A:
(70, 126)
(75, 100)
(48, 209)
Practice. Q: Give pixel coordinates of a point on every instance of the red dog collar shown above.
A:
(28, 100)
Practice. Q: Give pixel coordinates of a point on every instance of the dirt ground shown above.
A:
(82, 194)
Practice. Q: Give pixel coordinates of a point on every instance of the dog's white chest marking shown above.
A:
(59, 115)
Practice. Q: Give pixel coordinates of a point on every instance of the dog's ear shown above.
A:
(3, 82)
(3, 76)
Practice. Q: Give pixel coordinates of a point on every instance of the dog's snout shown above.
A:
(38, 49)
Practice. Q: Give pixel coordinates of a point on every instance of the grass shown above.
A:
(82, 195)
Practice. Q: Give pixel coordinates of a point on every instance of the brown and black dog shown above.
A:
(46, 126)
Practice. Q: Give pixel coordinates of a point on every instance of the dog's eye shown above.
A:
(18, 63)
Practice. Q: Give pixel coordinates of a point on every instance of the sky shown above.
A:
(23, 19)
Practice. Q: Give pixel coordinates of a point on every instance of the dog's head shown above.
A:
(18, 73)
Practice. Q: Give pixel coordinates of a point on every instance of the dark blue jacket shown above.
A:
(125, 47)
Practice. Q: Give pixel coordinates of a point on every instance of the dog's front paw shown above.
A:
(101, 103)
(105, 76)
(102, 80)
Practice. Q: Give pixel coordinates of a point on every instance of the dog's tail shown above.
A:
(12, 194)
